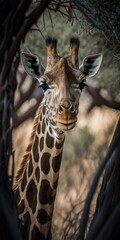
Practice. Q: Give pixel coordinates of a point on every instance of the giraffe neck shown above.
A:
(36, 190)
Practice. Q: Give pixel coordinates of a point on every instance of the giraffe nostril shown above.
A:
(72, 109)
(61, 109)
(66, 105)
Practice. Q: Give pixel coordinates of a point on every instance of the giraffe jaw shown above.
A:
(65, 126)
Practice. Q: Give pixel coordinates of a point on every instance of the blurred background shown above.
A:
(24, 26)
(85, 146)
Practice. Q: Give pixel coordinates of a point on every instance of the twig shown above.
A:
(99, 100)
(24, 96)
(30, 113)
(31, 19)
(40, 31)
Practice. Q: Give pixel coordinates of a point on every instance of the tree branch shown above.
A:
(99, 100)
(30, 113)
(24, 96)
(31, 19)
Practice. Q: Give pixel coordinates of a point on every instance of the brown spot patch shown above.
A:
(59, 145)
(46, 195)
(17, 196)
(41, 143)
(37, 174)
(21, 207)
(50, 129)
(43, 126)
(36, 234)
(49, 141)
(39, 129)
(35, 150)
(45, 162)
(41, 117)
(31, 195)
(24, 182)
(56, 161)
(43, 110)
(26, 226)
(43, 217)
(55, 184)
(30, 167)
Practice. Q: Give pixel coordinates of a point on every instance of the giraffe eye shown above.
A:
(44, 86)
(82, 85)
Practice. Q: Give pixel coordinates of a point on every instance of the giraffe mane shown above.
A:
(24, 161)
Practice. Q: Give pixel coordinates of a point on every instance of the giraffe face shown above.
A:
(62, 86)
(62, 81)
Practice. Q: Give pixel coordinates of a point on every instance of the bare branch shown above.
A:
(24, 96)
(31, 19)
(30, 113)
(99, 100)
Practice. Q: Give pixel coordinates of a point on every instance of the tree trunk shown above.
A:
(13, 29)
(106, 219)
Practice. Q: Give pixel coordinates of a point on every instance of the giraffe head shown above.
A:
(62, 81)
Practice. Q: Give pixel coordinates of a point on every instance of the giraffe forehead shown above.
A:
(63, 72)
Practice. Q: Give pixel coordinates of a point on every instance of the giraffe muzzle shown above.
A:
(67, 115)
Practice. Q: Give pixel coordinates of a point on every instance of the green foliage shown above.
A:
(78, 144)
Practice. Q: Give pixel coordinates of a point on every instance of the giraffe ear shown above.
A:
(31, 65)
(91, 65)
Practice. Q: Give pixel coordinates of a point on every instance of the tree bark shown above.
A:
(106, 219)
(13, 29)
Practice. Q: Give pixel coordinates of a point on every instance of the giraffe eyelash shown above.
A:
(82, 85)
(44, 86)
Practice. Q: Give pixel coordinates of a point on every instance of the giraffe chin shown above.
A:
(65, 127)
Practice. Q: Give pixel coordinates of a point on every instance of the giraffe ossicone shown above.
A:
(36, 181)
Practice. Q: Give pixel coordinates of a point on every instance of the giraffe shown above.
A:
(62, 82)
